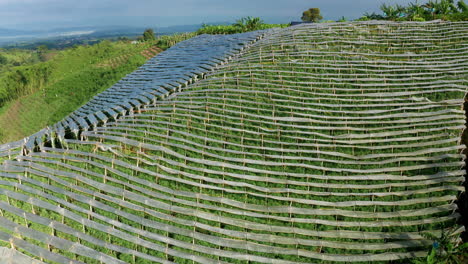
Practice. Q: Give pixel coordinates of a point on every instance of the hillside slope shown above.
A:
(317, 143)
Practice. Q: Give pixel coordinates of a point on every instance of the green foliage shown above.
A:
(17, 57)
(444, 250)
(148, 35)
(434, 9)
(415, 12)
(166, 41)
(23, 80)
(462, 6)
(242, 25)
(42, 48)
(312, 15)
(3, 59)
(249, 23)
(392, 12)
(371, 16)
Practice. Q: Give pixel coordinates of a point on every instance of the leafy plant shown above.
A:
(462, 6)
(248, 23)
(371, 16)
(415, 12)
(434, 9)
(444, 250)
(393, 12)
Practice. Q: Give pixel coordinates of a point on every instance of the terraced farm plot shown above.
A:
(316, 143)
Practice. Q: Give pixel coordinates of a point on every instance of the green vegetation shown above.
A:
(242, 25)
(435, 9)
(3, 60)
(312, 15)
(445, 250)
(167, 41)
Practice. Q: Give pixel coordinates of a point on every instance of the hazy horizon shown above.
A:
(40, 14)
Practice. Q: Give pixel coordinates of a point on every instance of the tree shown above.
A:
(311, 15)
(444, 7)
(254, 23)
(148, 35)
(371, 16)
(42, 49)
(462, 6)
(393, 12)
(415, 12)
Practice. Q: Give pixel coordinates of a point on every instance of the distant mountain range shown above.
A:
(12, 36)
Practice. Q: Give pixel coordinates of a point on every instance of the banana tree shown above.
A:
(416, 12)
(443, 7)
(393, 12)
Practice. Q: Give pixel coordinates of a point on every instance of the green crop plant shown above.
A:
(445, 250)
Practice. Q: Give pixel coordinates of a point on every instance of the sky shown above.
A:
(40, 14)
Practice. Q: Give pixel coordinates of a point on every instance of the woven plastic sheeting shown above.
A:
(11, 256)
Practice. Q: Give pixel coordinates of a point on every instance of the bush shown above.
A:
(3, 60)
(148, 35)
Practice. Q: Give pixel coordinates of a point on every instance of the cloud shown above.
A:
(50, 13)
